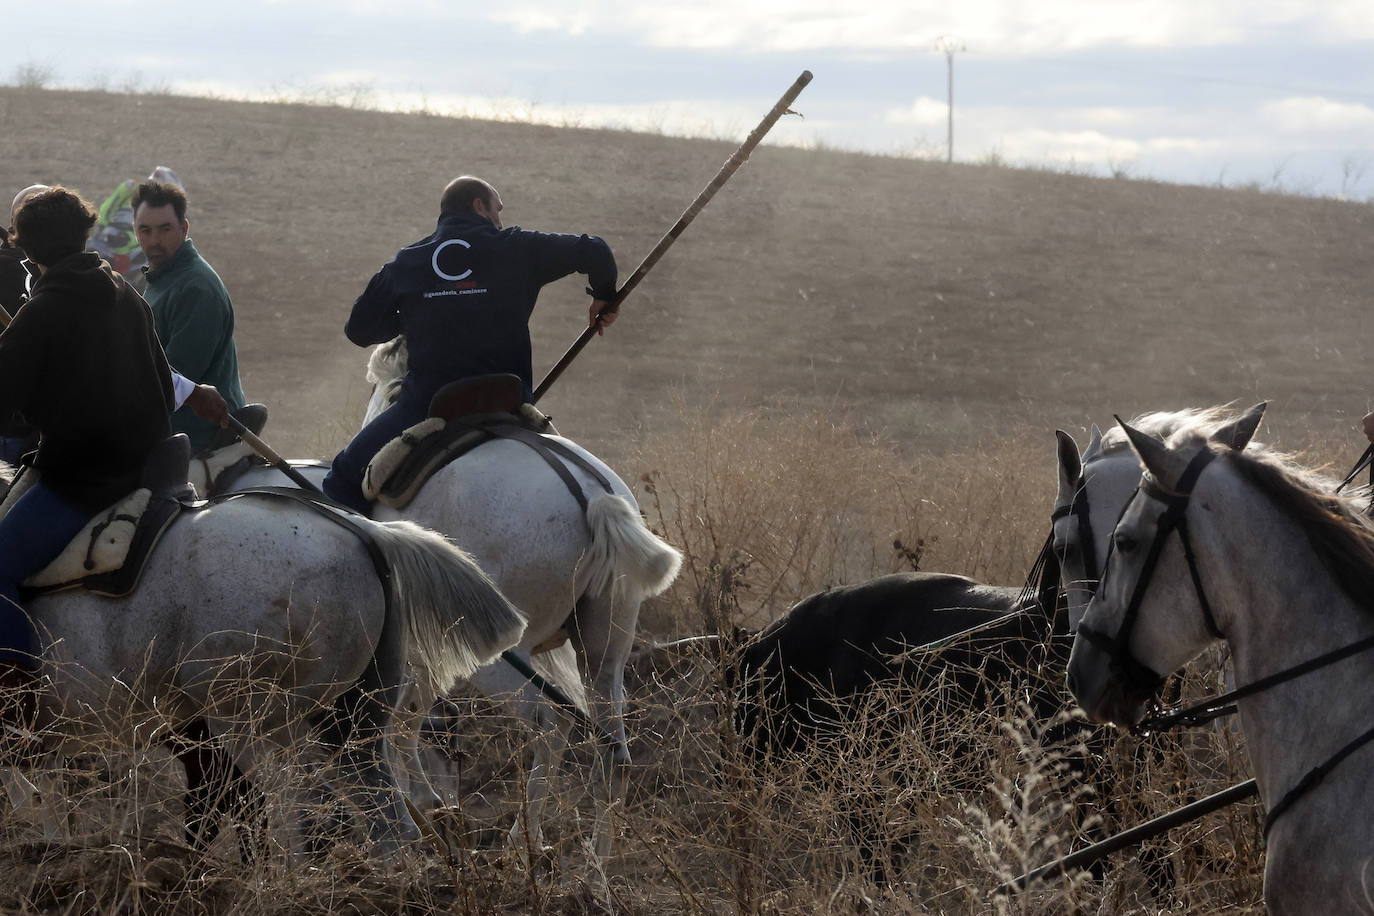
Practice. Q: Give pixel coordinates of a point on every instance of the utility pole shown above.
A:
(949, 46)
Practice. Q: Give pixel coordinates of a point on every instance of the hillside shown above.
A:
(938, 304)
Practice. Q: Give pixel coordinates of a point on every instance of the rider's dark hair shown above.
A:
(160, 194)
(463, 192)
(53, 224)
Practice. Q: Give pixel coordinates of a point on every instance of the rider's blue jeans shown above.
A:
(344, 483)
(32, 534)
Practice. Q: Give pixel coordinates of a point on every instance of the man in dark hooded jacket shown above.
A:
(463, 297)
(81, 360)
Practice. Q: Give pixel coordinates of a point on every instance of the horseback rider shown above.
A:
(82, 362)
(463, 297)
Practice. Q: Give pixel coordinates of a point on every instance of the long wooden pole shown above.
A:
(270, 455)
(1137, 834)
(729, 168)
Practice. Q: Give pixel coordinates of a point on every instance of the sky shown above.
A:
(1277, 94)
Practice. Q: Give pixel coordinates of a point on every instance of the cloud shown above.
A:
(924, 112)
(526, 19)
(1318, 115)
(993, 27)
(1064, 146)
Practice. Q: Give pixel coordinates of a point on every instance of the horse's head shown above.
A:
(1147, 617)
(386, 369)
(1094, 488)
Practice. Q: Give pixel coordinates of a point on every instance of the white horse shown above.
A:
(1242, 546)
(582, 573)
(273, 624)
(1094, 488)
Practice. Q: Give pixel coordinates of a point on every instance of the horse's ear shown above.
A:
(1070, 467)
(1153, 453)
(1237, 434)
(1094, 444)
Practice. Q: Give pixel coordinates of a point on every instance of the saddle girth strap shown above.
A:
(337, 513)
(547, 449)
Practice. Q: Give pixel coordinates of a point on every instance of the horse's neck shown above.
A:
(377, 403)
(1279, 606)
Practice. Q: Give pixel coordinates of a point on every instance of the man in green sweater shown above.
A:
(191, 308)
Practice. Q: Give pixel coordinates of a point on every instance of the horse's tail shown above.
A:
(558, 666)
(624, 554)
(458, 620)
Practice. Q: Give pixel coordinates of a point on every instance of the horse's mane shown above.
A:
(1337, 528)
(1198, 421)
(387, 366)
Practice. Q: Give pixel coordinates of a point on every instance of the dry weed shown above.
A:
(911, 804)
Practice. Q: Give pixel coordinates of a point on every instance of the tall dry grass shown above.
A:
(917, 807)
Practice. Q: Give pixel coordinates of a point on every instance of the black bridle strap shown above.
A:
(1208, 617)
(1366, 461)
(1174, 517)
(1224, 705)
(1087, 544)
(1313, 778)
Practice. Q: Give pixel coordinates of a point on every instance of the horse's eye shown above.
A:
(1124, 542)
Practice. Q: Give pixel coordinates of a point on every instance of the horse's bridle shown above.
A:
(1077, 509)
(1134, 673)
(1174, 518)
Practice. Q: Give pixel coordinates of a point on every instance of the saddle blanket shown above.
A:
(207, 472)
(96, 557)
(402, 466)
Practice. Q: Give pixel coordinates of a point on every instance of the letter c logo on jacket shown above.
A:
(435, 261)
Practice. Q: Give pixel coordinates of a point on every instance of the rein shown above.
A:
(1134, 672)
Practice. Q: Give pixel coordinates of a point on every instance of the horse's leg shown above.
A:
(22, 793)
(416, 703)
(525, 701)
(365, 716)
(549, 744)
(216, 787)
(27, 802)
(603, 633)
(206, 784)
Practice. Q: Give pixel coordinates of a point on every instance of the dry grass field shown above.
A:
(843, 353)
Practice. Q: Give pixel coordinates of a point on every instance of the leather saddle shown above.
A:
(461, 415)
(108, 555)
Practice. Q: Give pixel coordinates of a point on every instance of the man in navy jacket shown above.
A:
(463, 297)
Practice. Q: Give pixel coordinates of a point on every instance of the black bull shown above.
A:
(805, 676)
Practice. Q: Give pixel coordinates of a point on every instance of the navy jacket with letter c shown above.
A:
(464, 295)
